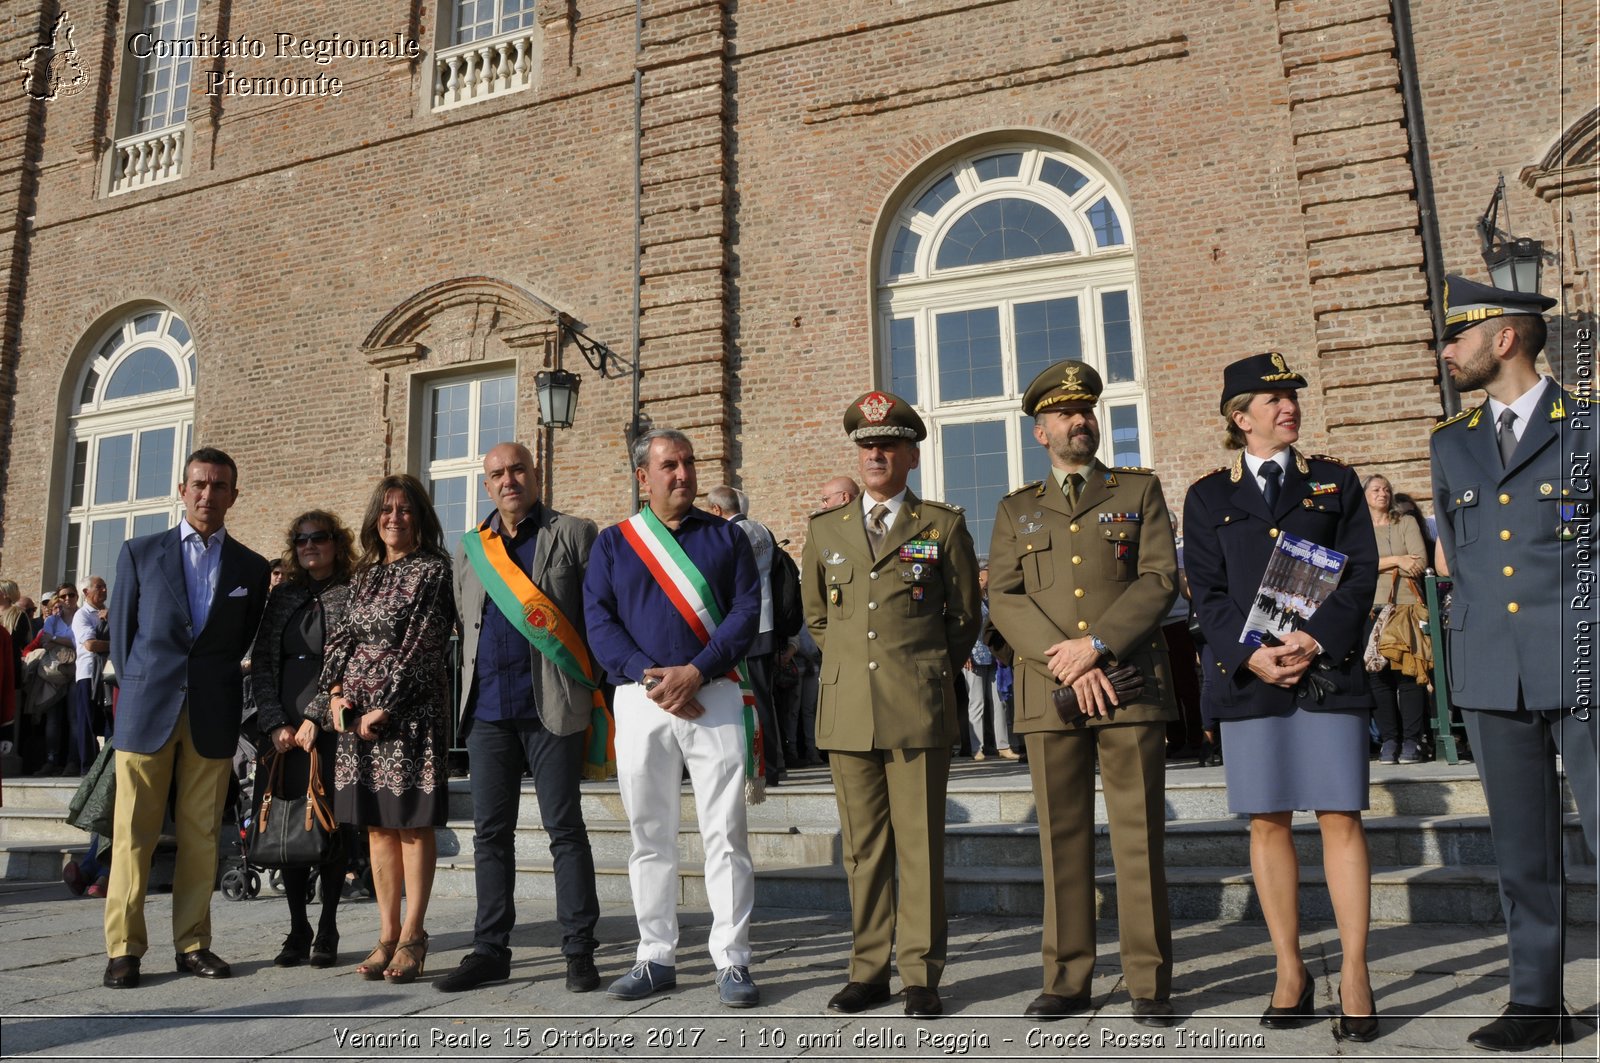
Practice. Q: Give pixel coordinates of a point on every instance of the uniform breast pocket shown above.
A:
(1038, 561)
(1567, 512)
(1121, 539)
(1462, 512)
(841, 603)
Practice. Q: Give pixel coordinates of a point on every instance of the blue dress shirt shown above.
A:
(632, 625)
(202, 559)
(502, 679)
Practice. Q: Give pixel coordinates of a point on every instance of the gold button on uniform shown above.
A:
(1505, 500)
(1505, 533)
(1511, 607)
(1030, 546)
(872, 666)
(1077, 592)
(1074, 525)
(1272, 533)
(1076, 560)
(1083, 625)
(1508, 570)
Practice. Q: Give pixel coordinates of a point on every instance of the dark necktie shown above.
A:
(1271, 472)
(876, 529)
(1508, 438)
(1074, 488)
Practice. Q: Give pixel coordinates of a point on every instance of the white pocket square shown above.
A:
(239, 592)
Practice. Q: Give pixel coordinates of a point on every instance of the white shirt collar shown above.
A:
(185, 529)
(1524, 407)
(1254, 463)
(893, 503)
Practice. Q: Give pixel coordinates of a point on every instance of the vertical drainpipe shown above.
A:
(1422, 181)
(638, 195)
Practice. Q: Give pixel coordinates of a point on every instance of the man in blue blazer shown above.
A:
(183, 612)
(1514, 491)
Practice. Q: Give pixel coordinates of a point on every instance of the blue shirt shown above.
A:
(202, 559)
(502, 678)
(981, 654)
(632, 625)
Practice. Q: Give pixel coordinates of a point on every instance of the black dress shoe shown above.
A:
(476, 969)
(1522, 1028)
(922, 1002)
(325, 950)
(859, 996)
(203, 962)
(1049, 1006)
(581, 974)
(122, 973)
(296, 949)
(1147, 1012)
(1360, 1028)
(1276, 1018)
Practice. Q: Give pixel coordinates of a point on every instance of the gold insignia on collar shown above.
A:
(1477, 415)
(1039, 493)
(1238, 467)
(1558, 410)
(1111, 481)
(933, 533)
(1300, 463)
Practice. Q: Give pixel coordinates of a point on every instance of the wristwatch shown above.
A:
(1099, 647)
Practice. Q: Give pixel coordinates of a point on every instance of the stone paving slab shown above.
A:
(1434, 984)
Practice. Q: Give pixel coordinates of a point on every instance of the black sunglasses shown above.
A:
(313, 537)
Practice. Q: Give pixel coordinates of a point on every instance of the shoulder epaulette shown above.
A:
(1451, 420)
(1213, 472)
(944, 505)
(1033, 486)
(1326, 458)
(1133, 468)
(832, 509)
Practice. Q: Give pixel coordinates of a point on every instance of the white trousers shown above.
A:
(652, 749)
(983, 698)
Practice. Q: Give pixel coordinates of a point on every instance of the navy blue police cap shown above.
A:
(1259, 372)
(1466, 303)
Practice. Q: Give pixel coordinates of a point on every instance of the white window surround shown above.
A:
(468, 69)
(459, 419)
(921, 293)
(125, 454)
(154, 101)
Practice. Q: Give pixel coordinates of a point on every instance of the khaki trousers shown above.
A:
(143, 782)
(891, 818)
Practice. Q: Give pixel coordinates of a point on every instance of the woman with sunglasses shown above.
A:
(285, 664)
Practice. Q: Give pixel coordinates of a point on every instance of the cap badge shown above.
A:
(875, 407)
(1279, 364)
(1070, 380)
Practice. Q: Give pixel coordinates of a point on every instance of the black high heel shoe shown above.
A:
(1358, 1028)
(1276, 1018)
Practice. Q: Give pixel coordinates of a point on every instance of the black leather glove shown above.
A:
(1126, 681)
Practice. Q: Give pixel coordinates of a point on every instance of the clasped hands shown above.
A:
(369, 725)
(1285, 664)
(1075, 664)
(286, 737)
(674, 690)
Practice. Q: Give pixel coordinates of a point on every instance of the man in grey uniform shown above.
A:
(1514, 493)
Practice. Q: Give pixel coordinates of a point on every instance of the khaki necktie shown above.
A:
(876, 529)
(1073, 487)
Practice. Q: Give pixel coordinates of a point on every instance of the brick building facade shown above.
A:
(771, 206)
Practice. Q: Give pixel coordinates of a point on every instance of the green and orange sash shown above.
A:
(686, 588)
(542, 623)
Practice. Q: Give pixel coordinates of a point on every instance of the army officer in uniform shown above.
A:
(1082, 570)
(891, 596)
(1297, 713)
(1513, 488)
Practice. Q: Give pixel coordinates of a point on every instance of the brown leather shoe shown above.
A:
(204, 963)
(1048, 1007)
(122, 973)
(859, 996)
(922, 1002)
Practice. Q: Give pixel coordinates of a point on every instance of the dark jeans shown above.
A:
(497, 753)
(760, 667)
(87, 724)
(1399, 703)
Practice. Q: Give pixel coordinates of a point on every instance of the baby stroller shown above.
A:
(240, 879)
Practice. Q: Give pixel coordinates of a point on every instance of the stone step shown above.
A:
(1466, 893)
(1403, 841)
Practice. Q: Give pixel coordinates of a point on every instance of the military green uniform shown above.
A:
(1102, 566)
(893, 631)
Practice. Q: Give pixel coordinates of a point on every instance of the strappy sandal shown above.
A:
(404, 971)
(372, 968)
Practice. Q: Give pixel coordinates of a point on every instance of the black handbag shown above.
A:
(292, 831)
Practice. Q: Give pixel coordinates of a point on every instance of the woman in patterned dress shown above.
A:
(285, 668)
(387, 688)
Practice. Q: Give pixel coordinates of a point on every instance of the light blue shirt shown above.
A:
(202, 559)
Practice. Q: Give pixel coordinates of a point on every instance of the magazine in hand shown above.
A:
(1300, 575)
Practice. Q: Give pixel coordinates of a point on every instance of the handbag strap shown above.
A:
(274, 780)
(1394, 588)
(317, 798)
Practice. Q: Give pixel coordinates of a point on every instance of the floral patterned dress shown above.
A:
(391, 652)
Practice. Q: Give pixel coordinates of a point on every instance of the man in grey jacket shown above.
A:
(527, 695)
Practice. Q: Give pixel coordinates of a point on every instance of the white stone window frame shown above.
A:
(1087, 272)
(152, 148)
(488, 67)
(467, 467)
(93, 422)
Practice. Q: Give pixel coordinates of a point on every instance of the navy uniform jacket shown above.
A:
(1228, 537)
(1519, 541)
(162, 662)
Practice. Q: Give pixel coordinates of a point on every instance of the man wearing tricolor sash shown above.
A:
(673, 601)
(529, 700)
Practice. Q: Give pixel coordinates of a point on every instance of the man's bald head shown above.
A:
(838, 491)
(510, 474)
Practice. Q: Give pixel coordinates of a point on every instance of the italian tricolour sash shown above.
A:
(542, 623)
(686, 588)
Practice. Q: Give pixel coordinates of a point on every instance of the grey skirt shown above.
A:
(1313, 761)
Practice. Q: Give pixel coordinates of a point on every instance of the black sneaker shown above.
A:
(581, 974)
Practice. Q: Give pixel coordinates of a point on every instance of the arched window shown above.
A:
(130, 428)
(991, 269)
